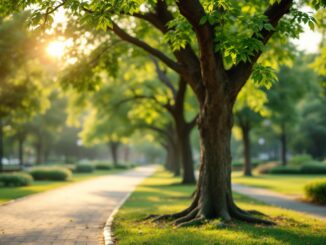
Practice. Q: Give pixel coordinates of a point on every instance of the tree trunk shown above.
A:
(1, 146)
(114, 145)
(213, 196)
(183, 130)
(126, 153)
(39, 151)
(188, 175)
(246, 150)
(21, 151)
(283, 147)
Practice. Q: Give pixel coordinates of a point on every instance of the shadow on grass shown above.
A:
(169, 197)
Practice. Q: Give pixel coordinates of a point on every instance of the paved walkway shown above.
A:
(74, 214)
(284, 201)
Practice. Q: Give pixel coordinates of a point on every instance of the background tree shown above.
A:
(283, 100)
(229, 39)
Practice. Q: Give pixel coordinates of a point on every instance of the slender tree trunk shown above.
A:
(39, 151)
(21, 151)
(184, 145)
(246, 150)
(168, 157)
(283, 147)
(1, 146)
(183, 130)
(126, 153)
(114, 145)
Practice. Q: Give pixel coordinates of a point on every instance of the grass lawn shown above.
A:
(287, 184)
(10, 193)
(162, 194)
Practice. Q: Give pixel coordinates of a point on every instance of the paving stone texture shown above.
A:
(74, 214)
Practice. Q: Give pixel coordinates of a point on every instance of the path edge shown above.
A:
(107, 230)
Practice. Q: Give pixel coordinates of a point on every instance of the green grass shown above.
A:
(160, 194)
(287, 184)
(10, 193)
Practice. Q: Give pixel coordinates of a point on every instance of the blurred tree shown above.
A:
(21, 92)
(214, 46)
(284, 97)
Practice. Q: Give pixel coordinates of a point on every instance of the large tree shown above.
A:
(215, 46)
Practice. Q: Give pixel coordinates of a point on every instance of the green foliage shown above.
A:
(308, 168)
(15, 179)
(313, 168)
(284, 170)
(316, 191)
(103, 166)
(50, 173)
(264, 76)
(84, 168)
(299, 160)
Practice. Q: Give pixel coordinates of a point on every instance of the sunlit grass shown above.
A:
(287, 184)
(161, 194)
(10, 193)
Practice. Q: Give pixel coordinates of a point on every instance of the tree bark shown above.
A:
(188, 175)
(213, 196)
(183, 130)
(246, 150)
(114, 145)
(172, 158)
(21, 151)
(1, 146)
(283, 140)
(39, 151)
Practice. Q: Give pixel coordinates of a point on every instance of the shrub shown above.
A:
(103, 166)
(15, 179)
(50, 173)
(284, 170)
(299, 160)
(316, 191)
(120, 166)
(266, 167)
(313, 168)
(84, 168)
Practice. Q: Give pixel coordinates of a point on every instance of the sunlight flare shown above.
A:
(56, 49)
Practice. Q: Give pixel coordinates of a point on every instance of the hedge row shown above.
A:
(305, 169)
(15, 179)
(50, 173)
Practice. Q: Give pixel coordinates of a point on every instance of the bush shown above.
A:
(120, 166)
(299, 160)
(50, 173)
(316, 191)
(15, 179)
(266, 167)
(103, 166)
(313, 168)
(284, 170)
(84, 168)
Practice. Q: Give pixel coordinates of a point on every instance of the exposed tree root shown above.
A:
(188, 217)
(194, 222)
(151, 216)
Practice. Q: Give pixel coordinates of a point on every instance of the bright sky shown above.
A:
(308, 41)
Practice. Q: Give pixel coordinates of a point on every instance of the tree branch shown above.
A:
(192, 123)
(163, 77)
(141, 44)
(240, 73)
(212, 67)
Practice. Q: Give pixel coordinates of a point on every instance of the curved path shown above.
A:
(281, 200)
(74, 214)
